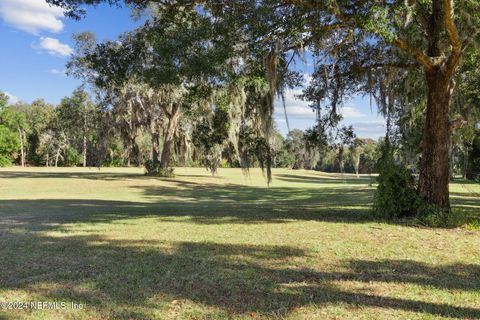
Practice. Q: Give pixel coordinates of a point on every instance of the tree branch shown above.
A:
(451, 28)
(421, 57)
(471, 37)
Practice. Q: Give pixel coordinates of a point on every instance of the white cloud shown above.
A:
(58, 72)
(54, 47)
(374, 129)
(31, 16)
(374, 122)
(296, 108)
(11, 98)
(349, 112)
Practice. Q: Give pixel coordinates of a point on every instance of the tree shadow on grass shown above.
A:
(208, 204)
(331, 179)
(200, 203)
(144, 276)
(467, 202)
(93, 174)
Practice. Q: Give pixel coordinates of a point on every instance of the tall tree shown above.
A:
(170, 54)
(39, 114)
(76, 114)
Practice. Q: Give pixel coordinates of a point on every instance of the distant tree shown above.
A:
(356, 151)
(344, 138)
(39, 114)
(369, 157)
(159, 62)
(9, 144)
(295, 145)
(77, 115)
(14, 118)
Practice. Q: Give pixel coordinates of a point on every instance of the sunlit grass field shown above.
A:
(127, 246)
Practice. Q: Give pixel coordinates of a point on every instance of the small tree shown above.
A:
(356, 151)
(9, 145)
(13, 118)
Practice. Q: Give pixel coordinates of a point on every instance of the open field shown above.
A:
(128, 246)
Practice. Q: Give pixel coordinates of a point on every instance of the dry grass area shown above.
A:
(127, 246)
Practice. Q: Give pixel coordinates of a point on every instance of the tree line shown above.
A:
(81, 132)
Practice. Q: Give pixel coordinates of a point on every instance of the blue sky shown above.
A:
(38, 40)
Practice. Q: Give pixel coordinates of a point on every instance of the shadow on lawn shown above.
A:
(209, 204)
(201, 203)
(145, 276)
(331, 179)
(93, 174)
(142, 277)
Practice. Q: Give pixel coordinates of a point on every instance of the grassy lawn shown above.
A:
(127, 246)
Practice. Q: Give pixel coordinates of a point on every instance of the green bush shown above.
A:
(156, 170)
(5, 161)
(223, 164)
(9, 145)
(72, 158)
(396, 195)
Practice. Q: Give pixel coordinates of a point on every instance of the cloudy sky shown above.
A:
(37, 41)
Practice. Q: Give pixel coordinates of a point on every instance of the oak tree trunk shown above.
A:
(155, 141)
(435, 167)
(134, 153)
(169, 135)
(155, 147)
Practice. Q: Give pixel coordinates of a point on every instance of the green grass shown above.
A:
(228, 247)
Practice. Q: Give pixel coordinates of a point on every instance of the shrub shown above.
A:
(5, 161)
(72, 158)
(396, 195)
(156, 170)
(223, 164)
